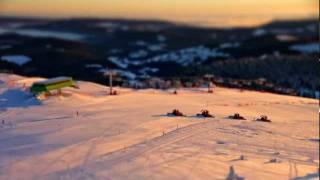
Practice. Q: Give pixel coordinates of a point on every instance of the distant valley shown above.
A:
(279, 57)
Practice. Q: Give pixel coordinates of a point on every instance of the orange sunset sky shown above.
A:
(200, 12)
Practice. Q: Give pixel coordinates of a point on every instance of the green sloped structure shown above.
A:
(52, 84)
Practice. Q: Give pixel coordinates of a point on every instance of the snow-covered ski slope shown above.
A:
(130, 137)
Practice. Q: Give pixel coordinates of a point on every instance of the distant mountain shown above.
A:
(136, 50)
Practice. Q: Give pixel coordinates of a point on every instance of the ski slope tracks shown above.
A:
(85, 134)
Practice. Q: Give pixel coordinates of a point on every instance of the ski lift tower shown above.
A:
(208, 78)
(109, 73)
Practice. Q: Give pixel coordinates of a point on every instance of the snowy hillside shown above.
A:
(129, 136)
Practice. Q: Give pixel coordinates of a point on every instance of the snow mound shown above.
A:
(16, 59)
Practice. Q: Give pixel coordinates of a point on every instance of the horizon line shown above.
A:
(192, 24)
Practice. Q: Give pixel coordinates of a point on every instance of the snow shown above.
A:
(120, 63)
(54, 80)
(130, 137)
(188, 56)
(98, 66)
(156, 47)
(307, 48)
(115, 51)
(129, 75)
(183, 57)
(108, 25)
(126, 74)
(259, 32)
(229, 45)
(161, 38)
(147, 70)
(5, 47)
(282, 30)
(138, 54)
(14, 25)
(45, 34)
(263, 57)
(152, 46)
(17, 98)
(16, 59)
(140, 43)
(312, 27)
(113, 26)
(286, 38)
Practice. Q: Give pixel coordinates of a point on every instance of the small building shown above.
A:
(48, 85)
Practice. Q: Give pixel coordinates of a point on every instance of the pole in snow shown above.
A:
(110, 82)
(110, 74)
